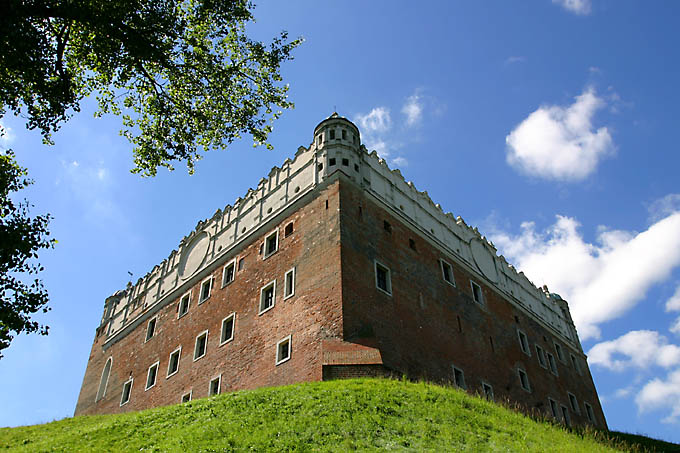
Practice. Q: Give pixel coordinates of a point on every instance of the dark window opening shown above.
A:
(228, 276)
(387, 227)
(460, 325)
(125, 397)
(227, 329)
(241, 264)
(345, 162)
(215, 386)
(319, 167)
(477, 293)
(186, 397)
(272, 244)
(332, 134)
(356, 167)
(382, 278)
(151, 376)
(344, 134)
(183, 305)
(412, 244)
(284, 351)
(173, 366)
(458, 377)
(326, 204)
(150, 329)
(267, 298)
(199, 350)
(288, 230)
(331, 161)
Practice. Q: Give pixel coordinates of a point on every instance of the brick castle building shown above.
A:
(335, 266)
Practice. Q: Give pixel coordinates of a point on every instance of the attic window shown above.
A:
(332, 134)
(344, 134)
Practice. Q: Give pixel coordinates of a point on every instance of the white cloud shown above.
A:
(660, 394)
(400, 161)
(515, 59)
(664, 206)
(6, 135)
(601, 281)
(556, 142)
(624, 392)
(675, 328)
(673, 304)
(413, 109)
(575, 6)
(638, 348)
(376, 121)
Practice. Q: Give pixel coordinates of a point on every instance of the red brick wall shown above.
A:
(417, 327)
(311, 315)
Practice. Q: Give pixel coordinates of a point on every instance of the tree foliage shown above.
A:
(183, 75)
(20, 239)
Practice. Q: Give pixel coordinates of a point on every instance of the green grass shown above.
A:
(346, 415)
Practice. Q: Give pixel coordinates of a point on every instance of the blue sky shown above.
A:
(547, 124)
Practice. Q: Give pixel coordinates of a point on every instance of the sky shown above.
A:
(546, 124)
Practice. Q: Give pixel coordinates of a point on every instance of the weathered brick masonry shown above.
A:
(383, 286)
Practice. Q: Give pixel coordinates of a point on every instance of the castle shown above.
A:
(335, 266)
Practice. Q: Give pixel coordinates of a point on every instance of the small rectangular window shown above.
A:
(560, 354)
(332, 134)
(344, 134)
(201, 345)
(477, 294)
(228, 273)
(186, 397)
(289, 288)
(214, 388)
(458, 377)
(227, 333)
(267, 297)
(541, 357)
(150, 329)
(288, 230)
(184, 305)
(331, 162)
(127, 389)
(319, 139)
(283, 350)
(589, 413)
(386, 226)
(173, 362)
(573, 403)
(523, 342)
(206, 286)
(553, 408)
(552, 363)
(524, 380)
(565, 416)
(488, 391)
(447, 273)
(574, 362)
(271, 244)
(241, 264)
(412, 244)
(382, 279)
(151, 376)
(345, 162)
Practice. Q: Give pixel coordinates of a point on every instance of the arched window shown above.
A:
(105, 380)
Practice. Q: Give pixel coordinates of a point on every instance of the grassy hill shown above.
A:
(347, 415)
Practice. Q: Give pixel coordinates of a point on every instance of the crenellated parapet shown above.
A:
(336, 147)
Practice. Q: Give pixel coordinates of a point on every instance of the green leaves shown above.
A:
(183, 76)
(21, 237)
